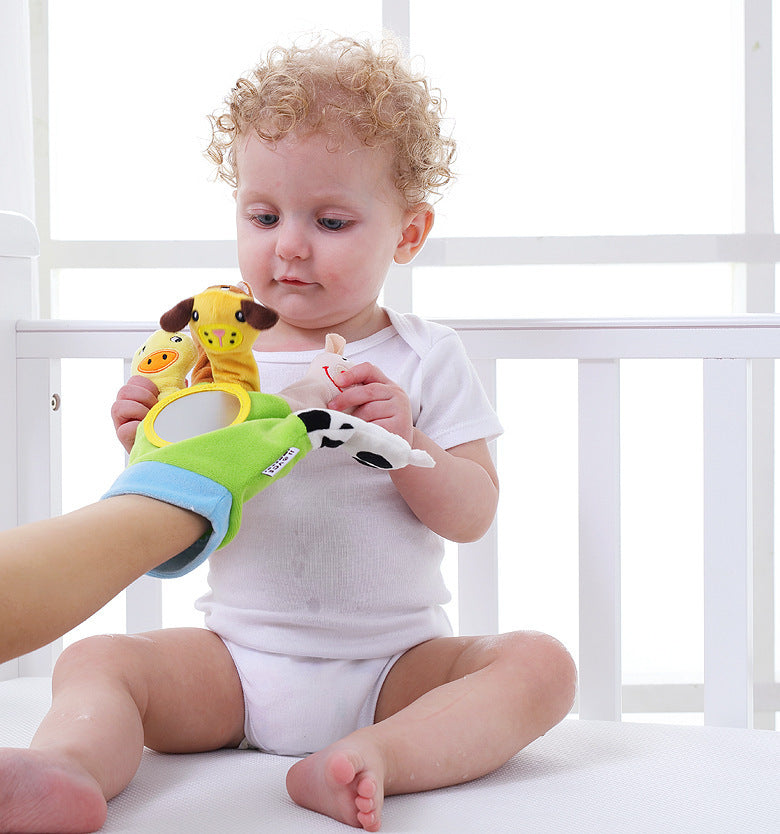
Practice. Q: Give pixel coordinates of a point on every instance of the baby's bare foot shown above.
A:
(43, 795)
(341, 782)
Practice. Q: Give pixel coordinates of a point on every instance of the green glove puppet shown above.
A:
(211, 447)
(215, 472)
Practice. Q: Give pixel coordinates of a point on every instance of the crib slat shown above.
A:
(728, 551)
(40, 475)
(599, 527)
(144, 605)
(478, 561)
(478, 585)
(39, 440)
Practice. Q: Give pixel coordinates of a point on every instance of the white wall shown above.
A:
(16, 131)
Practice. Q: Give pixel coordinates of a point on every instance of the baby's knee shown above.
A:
(549, 666)
(106, 655)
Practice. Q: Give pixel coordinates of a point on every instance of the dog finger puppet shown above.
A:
(224, 322)
(166, 358)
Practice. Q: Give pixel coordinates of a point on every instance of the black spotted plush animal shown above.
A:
(367, 443)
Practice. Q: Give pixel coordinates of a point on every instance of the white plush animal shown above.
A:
(320, 384)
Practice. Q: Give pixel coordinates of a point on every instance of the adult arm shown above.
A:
(56, 573)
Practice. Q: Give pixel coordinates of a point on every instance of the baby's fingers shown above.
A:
(357, 396)
(138, 389)
(362, 374)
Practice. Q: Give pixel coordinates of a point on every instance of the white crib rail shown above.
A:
(728, 347)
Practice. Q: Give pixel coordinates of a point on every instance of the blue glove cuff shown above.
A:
(189, 491)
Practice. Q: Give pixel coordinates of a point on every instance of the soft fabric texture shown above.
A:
(241, 459)
(589, 777)
(224, 321)
(320, 384)
(285, 711)
(257, 449)
(165, 358)
(351, 573)
(185, 489)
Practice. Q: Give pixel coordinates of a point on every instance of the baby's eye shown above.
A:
(332, 224)
(266, 219)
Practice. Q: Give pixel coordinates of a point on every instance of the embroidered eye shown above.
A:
(195, 315)
(176, 339)
(240, 316)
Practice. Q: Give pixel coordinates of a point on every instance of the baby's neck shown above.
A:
(285, 337)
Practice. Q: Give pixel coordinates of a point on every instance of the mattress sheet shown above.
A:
(583, 776)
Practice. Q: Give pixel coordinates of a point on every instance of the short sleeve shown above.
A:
(454, 408)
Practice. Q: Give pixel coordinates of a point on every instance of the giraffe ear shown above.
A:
(177, 317)
(259, 317)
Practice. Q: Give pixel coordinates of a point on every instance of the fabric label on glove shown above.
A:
(281, 462)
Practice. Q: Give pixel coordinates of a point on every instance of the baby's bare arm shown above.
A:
(56, 573)
(458, 497)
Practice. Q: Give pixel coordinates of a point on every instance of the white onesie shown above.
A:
(331, 562)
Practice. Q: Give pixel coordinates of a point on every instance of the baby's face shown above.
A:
(317, 229)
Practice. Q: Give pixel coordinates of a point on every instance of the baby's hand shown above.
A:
(133, 402)
(372, 397)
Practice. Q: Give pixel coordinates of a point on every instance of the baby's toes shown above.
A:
(367, 787)
(369, 822)
(364, 804)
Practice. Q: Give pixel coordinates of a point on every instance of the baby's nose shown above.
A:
(291, 241)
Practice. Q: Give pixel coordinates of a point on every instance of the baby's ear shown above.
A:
(418, 223)
(177, 317)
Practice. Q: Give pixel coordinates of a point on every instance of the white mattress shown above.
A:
(583, 776)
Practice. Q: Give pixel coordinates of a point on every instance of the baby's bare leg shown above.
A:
(173, 691)
(451, 710)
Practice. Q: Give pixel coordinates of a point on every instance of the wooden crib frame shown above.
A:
(30, 356)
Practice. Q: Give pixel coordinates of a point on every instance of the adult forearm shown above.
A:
(56, 573)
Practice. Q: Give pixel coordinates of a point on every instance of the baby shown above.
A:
(326, 638)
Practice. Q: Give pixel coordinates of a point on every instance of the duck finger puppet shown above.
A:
(211, 446)
(165, 358)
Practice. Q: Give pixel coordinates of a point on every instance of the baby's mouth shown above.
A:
(291, 281)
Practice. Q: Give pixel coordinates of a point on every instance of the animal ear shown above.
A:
(335, 344)
(243, 287)
(259, 317)
(177, 317)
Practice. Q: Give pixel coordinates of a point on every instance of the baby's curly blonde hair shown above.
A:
(337, 85)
